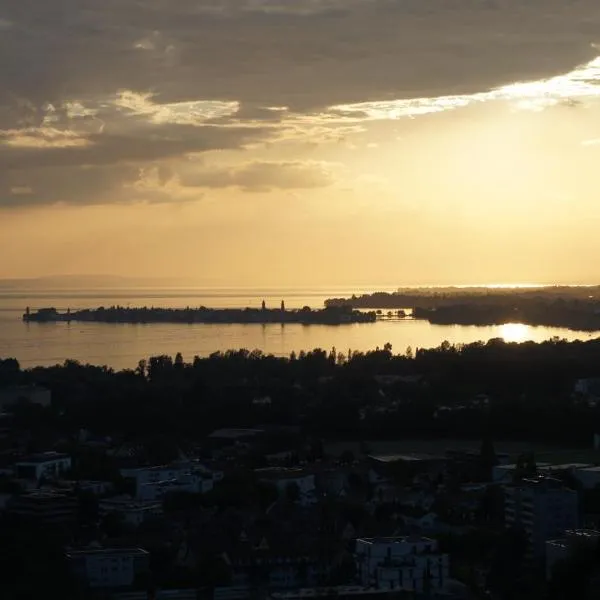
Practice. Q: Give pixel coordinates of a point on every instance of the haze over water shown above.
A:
(123, 345)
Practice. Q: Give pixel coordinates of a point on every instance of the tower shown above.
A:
(282, 306)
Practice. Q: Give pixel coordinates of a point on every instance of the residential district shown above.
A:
(273, 511)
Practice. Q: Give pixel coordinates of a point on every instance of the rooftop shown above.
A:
(583, 533)
(542, 481)
(42, 458)
(107, 552)
(513, 466)
(129, 504)
(44, 495)
(408, 539)
(413, 457)
(564, 467)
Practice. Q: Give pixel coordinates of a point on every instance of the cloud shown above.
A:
(263, 176)
(125, 84)
(30, 149)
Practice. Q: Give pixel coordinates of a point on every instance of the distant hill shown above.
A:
(90, 282)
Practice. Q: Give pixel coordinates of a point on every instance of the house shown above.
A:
(30, 394)
(131, 512)
(45, 465)
(108, 567)
(401, 563)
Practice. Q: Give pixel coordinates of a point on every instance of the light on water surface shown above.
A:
(515, 332)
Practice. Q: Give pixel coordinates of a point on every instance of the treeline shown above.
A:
(351, 395)
(575, 315)
(121, 314)
(483, 296)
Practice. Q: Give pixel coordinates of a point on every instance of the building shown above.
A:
(47, 465)
(29, 394)
(506, 473)
(572, 542)
(589, 477)
(45, 508)
(109, 567)
(406, 467)
(131, 512)
(402, 563)
(283, 478)
(154, 483)
(544, 508)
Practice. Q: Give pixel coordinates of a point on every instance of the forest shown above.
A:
(421, 393)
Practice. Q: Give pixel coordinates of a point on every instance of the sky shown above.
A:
(301, 142)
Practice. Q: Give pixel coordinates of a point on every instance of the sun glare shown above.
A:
(514, 332)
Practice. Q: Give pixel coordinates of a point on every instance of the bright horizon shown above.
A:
(114, 282)
(324, 144)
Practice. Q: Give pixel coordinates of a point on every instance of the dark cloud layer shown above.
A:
(66, 63)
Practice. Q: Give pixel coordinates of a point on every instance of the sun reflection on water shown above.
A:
(515, 332)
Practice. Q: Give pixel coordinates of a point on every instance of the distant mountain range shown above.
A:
(91, 282)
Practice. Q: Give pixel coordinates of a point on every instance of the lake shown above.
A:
(123, 345)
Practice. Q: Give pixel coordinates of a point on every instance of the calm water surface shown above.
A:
(122, 345)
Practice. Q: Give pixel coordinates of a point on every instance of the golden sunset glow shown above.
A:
(450, 145)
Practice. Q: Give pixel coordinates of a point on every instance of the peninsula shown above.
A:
(118, 314)
(572, 307)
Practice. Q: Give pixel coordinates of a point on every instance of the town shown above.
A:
(432, 474)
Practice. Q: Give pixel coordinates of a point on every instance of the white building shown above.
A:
(544, 508)
(133, 513)
(109, 568)
(563, 548)
(48, 465)
(408, 563)
(153, 483)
